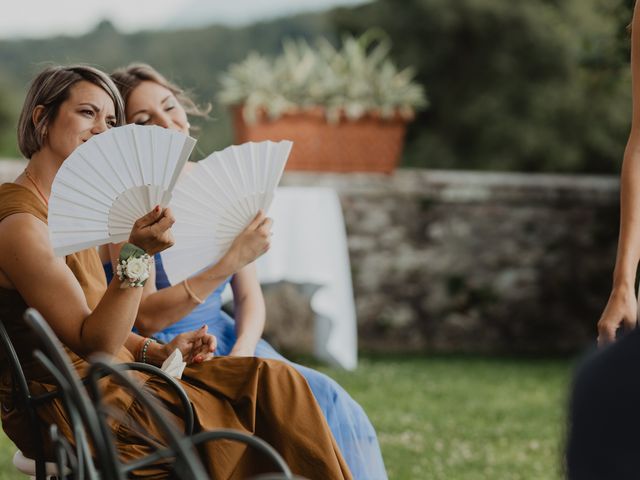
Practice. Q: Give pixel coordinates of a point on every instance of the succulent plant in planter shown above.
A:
(345, 108)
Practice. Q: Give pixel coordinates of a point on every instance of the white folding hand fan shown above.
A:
(217, 200)
(110, 181)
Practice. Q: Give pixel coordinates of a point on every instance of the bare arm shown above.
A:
(196, 346)
(249, 311)
(621, 308)
(161, 308)
(46, 283)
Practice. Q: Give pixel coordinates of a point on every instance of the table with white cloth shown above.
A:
(309, 246)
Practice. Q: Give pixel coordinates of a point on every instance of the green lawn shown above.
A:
(461, 418)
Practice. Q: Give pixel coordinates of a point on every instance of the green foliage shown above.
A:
(464, 418)
(194, 59)
(540, 85)
(355, 79)
(8, 121)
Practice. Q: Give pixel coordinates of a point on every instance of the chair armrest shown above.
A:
(242, 437)
(170, 381)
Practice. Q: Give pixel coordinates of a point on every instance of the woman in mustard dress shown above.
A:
(64, 107)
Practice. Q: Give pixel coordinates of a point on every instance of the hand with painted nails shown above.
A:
(196, 346)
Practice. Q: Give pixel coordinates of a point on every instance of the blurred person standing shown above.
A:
(621, 311)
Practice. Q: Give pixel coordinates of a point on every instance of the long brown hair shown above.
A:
(129, 77)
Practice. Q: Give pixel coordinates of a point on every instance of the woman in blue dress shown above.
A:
(168, 310)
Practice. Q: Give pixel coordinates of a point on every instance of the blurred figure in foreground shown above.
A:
(604, 419)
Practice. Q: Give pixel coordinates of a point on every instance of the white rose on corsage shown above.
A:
(137, 269)
(134, 271)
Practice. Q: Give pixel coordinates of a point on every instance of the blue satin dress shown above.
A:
(349, 423)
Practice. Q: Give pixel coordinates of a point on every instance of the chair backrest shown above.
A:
(79, 408)
(94, 413)
(186, 464)
(187, 411)
(91, 413)
(65, 456)
(25, 399)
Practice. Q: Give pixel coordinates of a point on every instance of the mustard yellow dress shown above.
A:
(267, 398)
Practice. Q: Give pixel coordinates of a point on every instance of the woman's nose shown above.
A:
(99, 126)
(164, 121)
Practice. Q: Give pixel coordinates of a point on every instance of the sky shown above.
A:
(44, 18)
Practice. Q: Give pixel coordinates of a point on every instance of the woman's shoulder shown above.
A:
(15, 199)
(23, 219)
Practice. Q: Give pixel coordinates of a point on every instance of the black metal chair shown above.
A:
(66, 460)
(78, 460)
(186, 465)
(23, 398)
(93, 414)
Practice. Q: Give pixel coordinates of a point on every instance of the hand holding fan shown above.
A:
(217, 200)
(110, 181)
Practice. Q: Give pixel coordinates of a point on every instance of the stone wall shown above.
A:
(465, 261)
(477, 262)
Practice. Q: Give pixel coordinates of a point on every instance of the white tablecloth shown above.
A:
(309, 246)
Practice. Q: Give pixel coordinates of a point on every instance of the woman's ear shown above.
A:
(36, 116)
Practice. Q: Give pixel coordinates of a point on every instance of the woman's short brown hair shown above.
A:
(50, 89)
(129, 77)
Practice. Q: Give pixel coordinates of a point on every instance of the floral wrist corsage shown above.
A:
(133, 266)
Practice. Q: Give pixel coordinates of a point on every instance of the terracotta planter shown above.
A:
(369, 144)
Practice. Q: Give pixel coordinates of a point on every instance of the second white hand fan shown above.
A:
(110, 181)
(217, 200)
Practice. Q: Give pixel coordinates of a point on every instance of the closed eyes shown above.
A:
(142, 120)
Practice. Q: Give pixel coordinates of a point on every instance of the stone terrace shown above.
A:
(466, 261)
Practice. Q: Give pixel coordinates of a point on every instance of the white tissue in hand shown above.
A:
(174, 365)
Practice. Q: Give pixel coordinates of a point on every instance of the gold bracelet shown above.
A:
(192, 295)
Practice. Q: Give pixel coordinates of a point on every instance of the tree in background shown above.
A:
(536, 85)
(541, 85)
(8, 122)
(193, 58)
